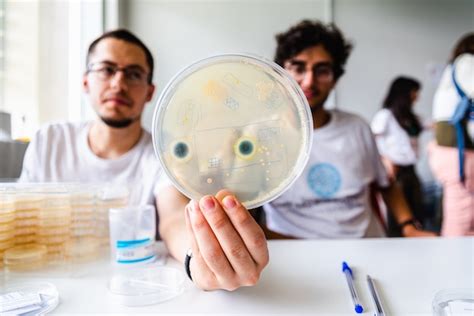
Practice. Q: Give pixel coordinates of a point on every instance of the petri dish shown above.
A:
(6, 244)
(82, 249)
(146, 286)
(236, 122)
(7, 235)
(453, 302)
(34, 298)
(25, 239)
(25, 257)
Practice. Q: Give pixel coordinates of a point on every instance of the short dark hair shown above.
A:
(308, 33)
(127, 36)
(465, 45)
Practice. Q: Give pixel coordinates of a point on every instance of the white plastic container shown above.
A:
(132, 234)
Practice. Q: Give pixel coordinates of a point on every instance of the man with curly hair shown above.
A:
(332, 197)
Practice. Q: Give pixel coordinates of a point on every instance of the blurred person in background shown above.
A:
(396, 128)
(451, 156)
(332, 197)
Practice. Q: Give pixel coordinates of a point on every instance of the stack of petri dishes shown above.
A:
(27, 206)
(43, 225)
(84, 244)
(26, 257)
(112, 197)
(54, 229)
(7, 224)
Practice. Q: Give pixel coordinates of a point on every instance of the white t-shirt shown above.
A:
(331, 199)
(392, 140)
(61, 153)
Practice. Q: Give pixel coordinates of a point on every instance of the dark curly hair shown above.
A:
(309, 33)
(127, 36)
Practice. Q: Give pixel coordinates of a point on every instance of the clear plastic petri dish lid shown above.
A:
(146, 285)
(454, 302)
(28, 298)
(235, 122)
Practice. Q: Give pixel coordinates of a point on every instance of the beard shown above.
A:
(119, 123)
(319, 99)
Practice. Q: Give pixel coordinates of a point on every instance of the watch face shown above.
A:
(233, 122)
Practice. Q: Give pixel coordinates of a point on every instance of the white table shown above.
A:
(306, 277)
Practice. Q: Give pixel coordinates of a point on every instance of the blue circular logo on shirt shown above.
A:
(324, 180)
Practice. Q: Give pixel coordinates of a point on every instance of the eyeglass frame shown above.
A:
(289, 66)
(116, 69)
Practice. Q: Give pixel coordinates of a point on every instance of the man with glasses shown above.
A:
(113, 148)
(230, 249)
(332, 197)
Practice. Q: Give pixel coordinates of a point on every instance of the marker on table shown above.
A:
(378, 304)
(350, 282)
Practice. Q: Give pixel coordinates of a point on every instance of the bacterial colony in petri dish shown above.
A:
(235, 122)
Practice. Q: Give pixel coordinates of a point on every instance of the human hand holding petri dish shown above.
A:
(233, 122)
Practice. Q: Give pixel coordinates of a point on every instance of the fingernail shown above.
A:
(208, 203)
(192, 206)
(229, 202)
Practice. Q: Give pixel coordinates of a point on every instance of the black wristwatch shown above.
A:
(410, 221)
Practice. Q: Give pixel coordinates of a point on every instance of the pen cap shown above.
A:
(345, 267)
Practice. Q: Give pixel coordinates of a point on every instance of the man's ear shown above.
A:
(151, 91)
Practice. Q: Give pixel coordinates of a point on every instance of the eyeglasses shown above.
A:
(322, 72)
(134, 75)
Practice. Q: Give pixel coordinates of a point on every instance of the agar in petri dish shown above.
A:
(25, 257)
(235, 122)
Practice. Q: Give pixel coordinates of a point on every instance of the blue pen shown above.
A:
(350, 282)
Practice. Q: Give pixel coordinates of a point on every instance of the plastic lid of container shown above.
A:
(28, 201)
(147, 285)
(449, 302)
(29, 299)
(233, 121)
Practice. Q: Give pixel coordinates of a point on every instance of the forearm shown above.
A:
(396, 203)
(172, 226)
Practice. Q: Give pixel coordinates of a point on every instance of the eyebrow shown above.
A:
(296, 62)
(115, 64)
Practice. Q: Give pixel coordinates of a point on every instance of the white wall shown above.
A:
(180, 32)
(53, 61)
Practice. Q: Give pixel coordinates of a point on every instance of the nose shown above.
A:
(307, 81)
(118, 81)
